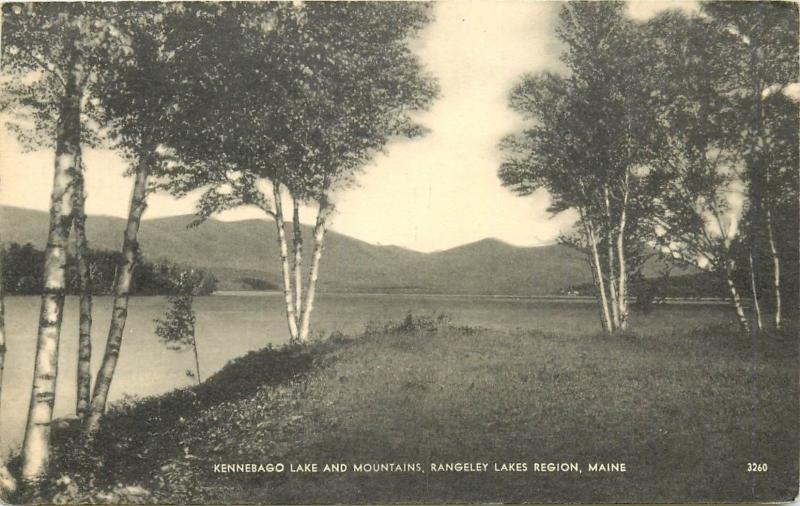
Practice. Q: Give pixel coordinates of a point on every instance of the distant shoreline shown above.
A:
(565, 298)
(550, 298)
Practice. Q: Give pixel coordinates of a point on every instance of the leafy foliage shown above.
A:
(309, 106)
(176, 329)
(22, 274)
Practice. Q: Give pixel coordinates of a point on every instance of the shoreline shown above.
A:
(555, 298)
(583, 299)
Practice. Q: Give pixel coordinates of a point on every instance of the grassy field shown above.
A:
(229, 326)
(685, 411)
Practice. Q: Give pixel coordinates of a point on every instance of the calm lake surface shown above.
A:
(231, 324)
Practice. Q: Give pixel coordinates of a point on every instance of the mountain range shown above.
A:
(239, 252)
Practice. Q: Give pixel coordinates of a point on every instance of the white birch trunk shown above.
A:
(597, 273)
(2, 323)
(623, 272)
(298, 259)
(122, 287)
(291, 316)
(776, 268)
(319, 238)
(84, 373)
(612, 278)
(755, 182)
(754, 291)
(36, 444)
(736, 301)
(612, 284)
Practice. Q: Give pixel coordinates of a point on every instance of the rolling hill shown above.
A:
(235, 251)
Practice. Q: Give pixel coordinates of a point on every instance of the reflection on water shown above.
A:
(230, 325)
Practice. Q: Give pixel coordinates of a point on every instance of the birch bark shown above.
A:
(122, 287)
(598, 277)
(623, 273)
(735, 299)
(319, 238)
(2, 323)
(36, 443)
(298, 259)
(291, 316)
(612, 278)
(776, 269)
(84, 374)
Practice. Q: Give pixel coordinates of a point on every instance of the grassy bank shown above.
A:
(685, 412)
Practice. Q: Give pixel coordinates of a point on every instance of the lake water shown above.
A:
(230, 325)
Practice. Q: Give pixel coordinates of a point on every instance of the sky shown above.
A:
(428, 194)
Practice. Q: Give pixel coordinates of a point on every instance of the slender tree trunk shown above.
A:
(122, 287)
(623, 273)
(319, 238)
(612, 281)
(736, 301)
(196, 359)
(2, 321)
(298, 259)
(754, 291)
(776, 261)
(84, 373)
(612, 284)
(7, 482)
(291, 316)
(36, 444)
(756, 186)
(597, 274)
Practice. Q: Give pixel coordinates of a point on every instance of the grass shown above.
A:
(685, 412)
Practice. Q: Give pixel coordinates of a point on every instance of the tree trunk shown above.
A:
(597, 274)
(36, 444)
(196, 359)
(776, 262)
(84, 373)
(298, 259)
(736, 301)
(754, 291)
(623, 273)
(756, 186)
(122, 287)
(612, 281)
(8, 484)
(291, 316)
(612, 285)
(2, 323)
(319, 238)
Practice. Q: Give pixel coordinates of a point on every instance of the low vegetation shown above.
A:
(677, 409)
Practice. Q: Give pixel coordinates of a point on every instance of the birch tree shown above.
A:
(585, 144)
(48, 52)
(84, 374)
(763, 41)
(7, 481)
(724, 169)
(605, 61)
(326, 86)
(696, 158)
(135, 101)
(70, 77)
(2, 321)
